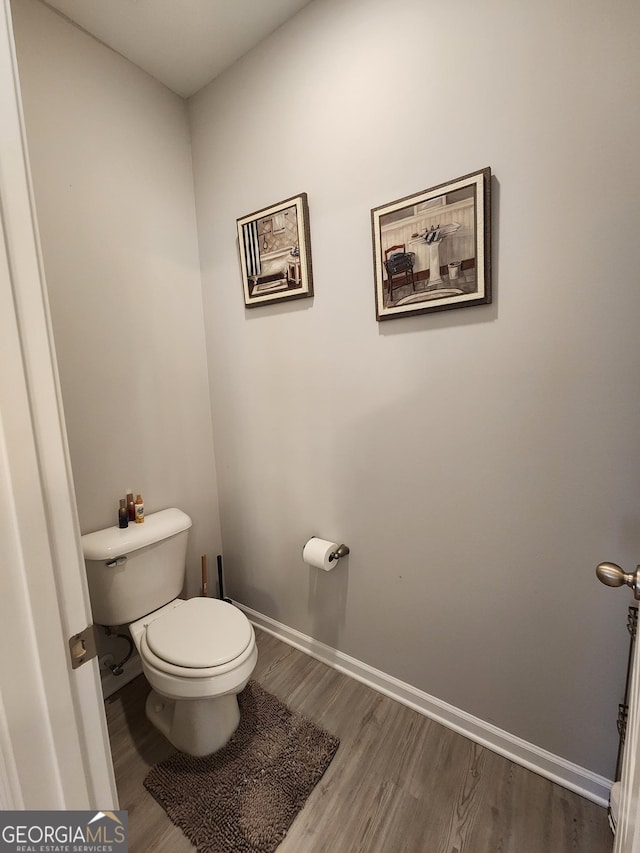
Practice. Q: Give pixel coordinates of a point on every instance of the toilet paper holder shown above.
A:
(341, 551)
(323, 553)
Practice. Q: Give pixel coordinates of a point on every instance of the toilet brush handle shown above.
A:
(220, 585)
(204, 575)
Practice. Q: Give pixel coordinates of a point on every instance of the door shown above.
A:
(627, 838)
(628, 832)
(54, 748)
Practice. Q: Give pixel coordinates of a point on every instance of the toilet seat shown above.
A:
(201, 638)
(202, 632)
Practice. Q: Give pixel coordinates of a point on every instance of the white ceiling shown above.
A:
(182, 43)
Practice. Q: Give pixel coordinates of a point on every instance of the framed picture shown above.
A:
(432, 250)
(275, 252)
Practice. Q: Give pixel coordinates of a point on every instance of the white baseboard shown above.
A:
(554, 767)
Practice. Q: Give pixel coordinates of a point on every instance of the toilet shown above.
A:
(196, 654)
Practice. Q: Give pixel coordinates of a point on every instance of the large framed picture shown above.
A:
(275, 252)
(432, 250)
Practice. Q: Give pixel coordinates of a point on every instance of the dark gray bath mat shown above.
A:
(244, 798)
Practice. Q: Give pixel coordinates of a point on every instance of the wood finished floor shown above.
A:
(399, 782)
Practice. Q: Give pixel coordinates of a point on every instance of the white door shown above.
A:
(628, 831)
(54, 748)
(627, 838)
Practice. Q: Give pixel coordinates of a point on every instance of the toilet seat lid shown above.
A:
(201, 633)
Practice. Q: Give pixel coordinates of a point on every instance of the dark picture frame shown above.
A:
(432, 250)
(275, 252)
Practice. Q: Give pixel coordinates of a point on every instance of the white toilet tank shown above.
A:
(137, 569)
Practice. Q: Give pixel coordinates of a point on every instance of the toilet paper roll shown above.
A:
(317, 552)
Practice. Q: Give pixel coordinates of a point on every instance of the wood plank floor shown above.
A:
(399, 782)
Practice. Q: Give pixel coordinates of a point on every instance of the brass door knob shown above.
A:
(611, 574)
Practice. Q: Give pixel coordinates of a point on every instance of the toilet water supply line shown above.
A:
(117, 668)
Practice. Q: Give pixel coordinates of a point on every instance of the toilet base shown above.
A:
(195, 726)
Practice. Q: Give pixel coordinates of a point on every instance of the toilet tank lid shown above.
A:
(116, 542)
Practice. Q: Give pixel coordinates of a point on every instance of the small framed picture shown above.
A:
(432, 250)
(275, 252)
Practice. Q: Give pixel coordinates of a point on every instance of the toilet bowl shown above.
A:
(197, 655)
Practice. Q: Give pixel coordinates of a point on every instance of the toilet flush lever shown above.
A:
(119, 561)
(611, 574)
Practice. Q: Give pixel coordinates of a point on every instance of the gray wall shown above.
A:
(479, 462)
(111, 164)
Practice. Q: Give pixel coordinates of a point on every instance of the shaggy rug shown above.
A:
(244, 798)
